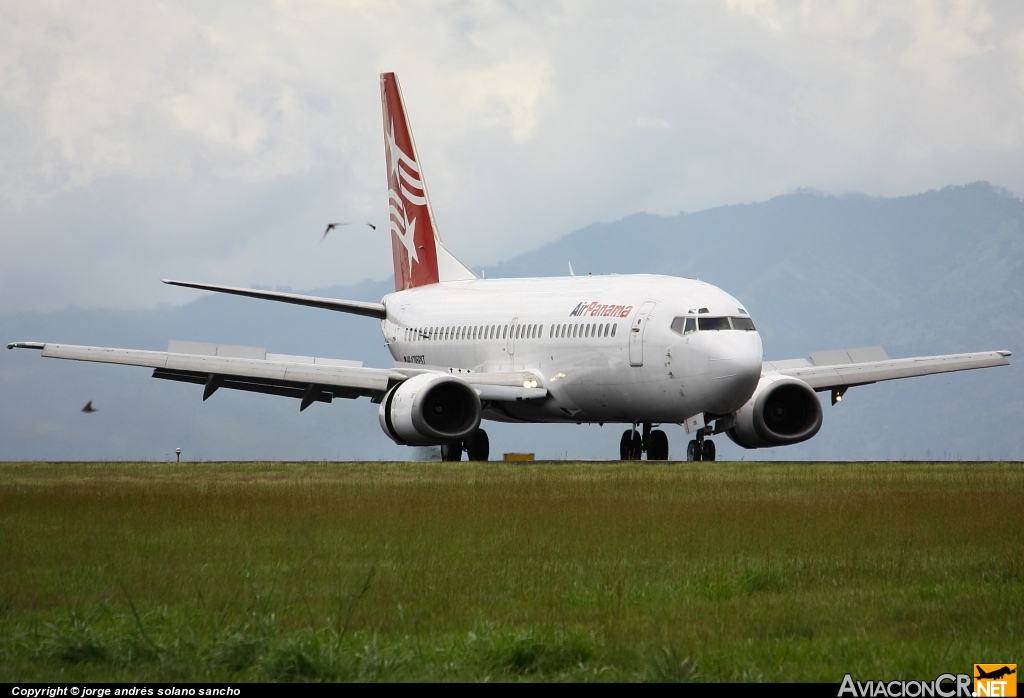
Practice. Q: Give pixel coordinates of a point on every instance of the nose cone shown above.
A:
(735, 360)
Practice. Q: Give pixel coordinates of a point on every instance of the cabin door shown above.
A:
(636, 334)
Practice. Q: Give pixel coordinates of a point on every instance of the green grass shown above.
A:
(259, 571)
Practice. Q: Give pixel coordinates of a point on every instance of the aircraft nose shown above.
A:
(735, 361)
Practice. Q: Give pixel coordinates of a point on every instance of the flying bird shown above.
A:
(371, 225)
(330, 227)
(89, 409)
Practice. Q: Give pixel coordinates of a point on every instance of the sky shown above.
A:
(213, 141)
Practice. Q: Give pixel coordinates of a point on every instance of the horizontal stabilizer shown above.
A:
(375, 310)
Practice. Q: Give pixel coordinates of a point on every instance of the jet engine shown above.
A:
(781, 411)
(430, 409)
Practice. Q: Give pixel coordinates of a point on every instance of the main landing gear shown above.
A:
(477, 448)
(654, 443)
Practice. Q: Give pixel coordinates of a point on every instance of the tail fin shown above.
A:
(420, 257)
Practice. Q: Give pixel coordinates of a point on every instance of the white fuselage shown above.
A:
(603, 346)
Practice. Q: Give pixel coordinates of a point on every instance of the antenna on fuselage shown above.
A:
(571, 272)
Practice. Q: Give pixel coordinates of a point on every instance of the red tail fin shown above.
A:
(420, 256)
(412, 222)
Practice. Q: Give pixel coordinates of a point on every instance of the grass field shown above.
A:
(270, 571)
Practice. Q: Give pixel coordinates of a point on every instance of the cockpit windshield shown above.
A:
(686, 325)
(713, 323)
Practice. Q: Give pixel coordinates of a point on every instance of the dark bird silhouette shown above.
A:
(332, 226)
(89, 409)
(371, 225)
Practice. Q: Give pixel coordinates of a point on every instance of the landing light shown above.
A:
(529, 384)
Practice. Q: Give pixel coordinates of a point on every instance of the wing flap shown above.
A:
(319, 393)
(859, 355)
(850, 374)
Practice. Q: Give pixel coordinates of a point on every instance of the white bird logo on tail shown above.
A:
(404, 177)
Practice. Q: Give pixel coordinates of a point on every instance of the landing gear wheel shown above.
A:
(693, 450)
(709, 450)
(478, 446)
(657, 445)
(630, 445)
(451, 452)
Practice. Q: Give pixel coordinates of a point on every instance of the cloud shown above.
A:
(506, 95)
(214, 140)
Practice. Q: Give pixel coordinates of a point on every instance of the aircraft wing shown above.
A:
(838, 370)
(252, 369)
(376, 310)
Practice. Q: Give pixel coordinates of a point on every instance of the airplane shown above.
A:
(995, 673)
(640, 350)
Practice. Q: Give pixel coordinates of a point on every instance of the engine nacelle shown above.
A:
(430, 409)
(781, 411)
